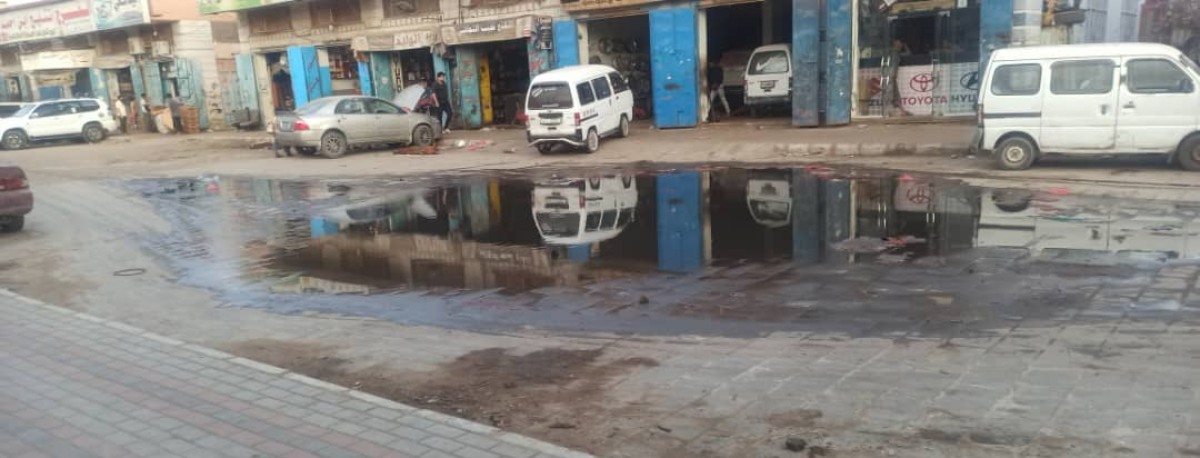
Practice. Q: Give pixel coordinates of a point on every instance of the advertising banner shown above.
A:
(217, 6)
(928, 90)
(112, 14)
(48, 21)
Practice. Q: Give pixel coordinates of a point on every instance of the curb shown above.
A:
(437, 417)
(849, 150)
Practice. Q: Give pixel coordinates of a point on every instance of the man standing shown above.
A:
(446, 114)
(121, 114)
(716, 88)
(144, 112)
(176, 106)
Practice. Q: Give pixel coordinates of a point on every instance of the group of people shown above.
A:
(134, 113)
(436, 101)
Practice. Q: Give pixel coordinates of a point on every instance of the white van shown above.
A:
(768, 77)
(579, 211)
(1095, 100)
(577, 106)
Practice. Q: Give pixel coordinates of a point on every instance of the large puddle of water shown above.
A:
(716, 250)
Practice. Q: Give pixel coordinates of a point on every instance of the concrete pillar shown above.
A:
(1027, 22)
(768, 29)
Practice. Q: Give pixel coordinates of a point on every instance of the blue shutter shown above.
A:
(247, 84)
(364, 78)
(306, 74)
(673, 67)
(154, 84)
(995, 28)
(679, 238)
(838, 65)
(139, 86)
(466, 75)
(381, 76)
(806, 53)
(566, 43)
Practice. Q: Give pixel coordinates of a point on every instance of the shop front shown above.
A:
(396, 61)
(493, 64)
(918, 58)
(62, 74)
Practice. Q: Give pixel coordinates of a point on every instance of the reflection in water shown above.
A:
(517, 233)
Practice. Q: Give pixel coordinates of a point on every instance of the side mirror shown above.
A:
(34, 115)
(1187, 86)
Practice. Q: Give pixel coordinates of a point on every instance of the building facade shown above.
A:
(113, 49)
(293, 52)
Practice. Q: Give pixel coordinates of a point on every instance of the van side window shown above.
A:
(1156, 76)
(603, 91)
(618, 82)
(1024, 79)
(586, 96)
(1081, 77)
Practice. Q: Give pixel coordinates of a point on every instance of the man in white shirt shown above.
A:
(121, 113)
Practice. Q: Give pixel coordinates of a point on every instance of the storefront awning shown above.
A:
(485, 31)
(113, 62)
(401, 41)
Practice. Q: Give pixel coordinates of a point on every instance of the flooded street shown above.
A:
(674, 310)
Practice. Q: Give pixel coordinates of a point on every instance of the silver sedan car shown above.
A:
(331, 126)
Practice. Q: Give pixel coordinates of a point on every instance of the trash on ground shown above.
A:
(795, 444)
(417, 150)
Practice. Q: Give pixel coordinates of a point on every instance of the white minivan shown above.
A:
(768, 78)
(1098, 100)
(577, 106)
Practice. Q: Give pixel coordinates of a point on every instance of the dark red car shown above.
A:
(16, 200)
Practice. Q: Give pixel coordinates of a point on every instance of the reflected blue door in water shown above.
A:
(579, 253)
(806, 217)
(321, 227)
(673, 70)
(679, 238)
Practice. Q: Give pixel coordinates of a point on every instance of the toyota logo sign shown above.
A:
(923, 82)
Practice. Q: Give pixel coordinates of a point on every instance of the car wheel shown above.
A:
(1189, 154)
(422, 135)
(307, 151)
(333, 145)
(15, 139)
(624, 133)
(93, 133)
(545, 148)
(593, 141)
(1016, 153)
(13, 224)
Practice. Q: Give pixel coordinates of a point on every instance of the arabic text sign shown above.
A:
(217, 6)
(480, 32)
(49, 21)
(112, 14)
(57, 60)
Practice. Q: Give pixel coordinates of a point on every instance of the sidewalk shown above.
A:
(73, 385)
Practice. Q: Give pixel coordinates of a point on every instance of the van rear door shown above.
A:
(548, 105)
(1080, 111)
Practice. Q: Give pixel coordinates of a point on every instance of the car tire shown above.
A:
(333, 145)
(306, 151)
(93, 133)
(1016, 153)
(623, 132)
(545, 148)
(15, 140)
(422, 135)
(593, 141)
(1189, 154)
(13, 224)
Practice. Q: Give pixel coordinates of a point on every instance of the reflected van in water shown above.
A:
(571, 244)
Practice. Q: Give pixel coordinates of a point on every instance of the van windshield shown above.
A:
(548, 96)
(768, 63)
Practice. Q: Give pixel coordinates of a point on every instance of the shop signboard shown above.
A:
(591, 5)
(217, 6)
(927, 90)
(55, 60)
(485, 31)
(48, 21)
(396, 42)
(113, 14)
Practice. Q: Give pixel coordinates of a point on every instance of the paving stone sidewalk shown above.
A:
(73, 385)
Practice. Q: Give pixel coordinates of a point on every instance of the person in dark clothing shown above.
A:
(716, 87)
(175, 103)
(442, 92)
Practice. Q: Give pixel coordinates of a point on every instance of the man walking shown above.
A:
(176, 106)
(122, 115)
(144, 113)
(716, 88)
(446, 114)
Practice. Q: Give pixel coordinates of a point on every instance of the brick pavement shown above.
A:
(73, 385)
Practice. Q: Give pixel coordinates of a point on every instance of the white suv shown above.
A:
(86, 119)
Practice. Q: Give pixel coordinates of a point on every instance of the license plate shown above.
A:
(767, 84)
(551, 121)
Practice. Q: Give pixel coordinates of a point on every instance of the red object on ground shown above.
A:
(1059, 191)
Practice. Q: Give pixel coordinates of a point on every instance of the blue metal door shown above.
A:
(566, 43)
(247, 85)
(364, 79)
(466, 77)
(381, 76)
(806, 56)
(839, 42)
(995, 28)
(154, 83)
(673, 68)
(306, 74)
(679, 239)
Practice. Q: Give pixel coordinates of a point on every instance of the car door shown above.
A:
(1079, 114)
(48, 120)
(354, 120)
(1158, 105)
(604, 105)
(622, 96)
(390, 122)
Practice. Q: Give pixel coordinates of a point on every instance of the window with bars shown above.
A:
(270, 20)
(401, 8)
(335, 12)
